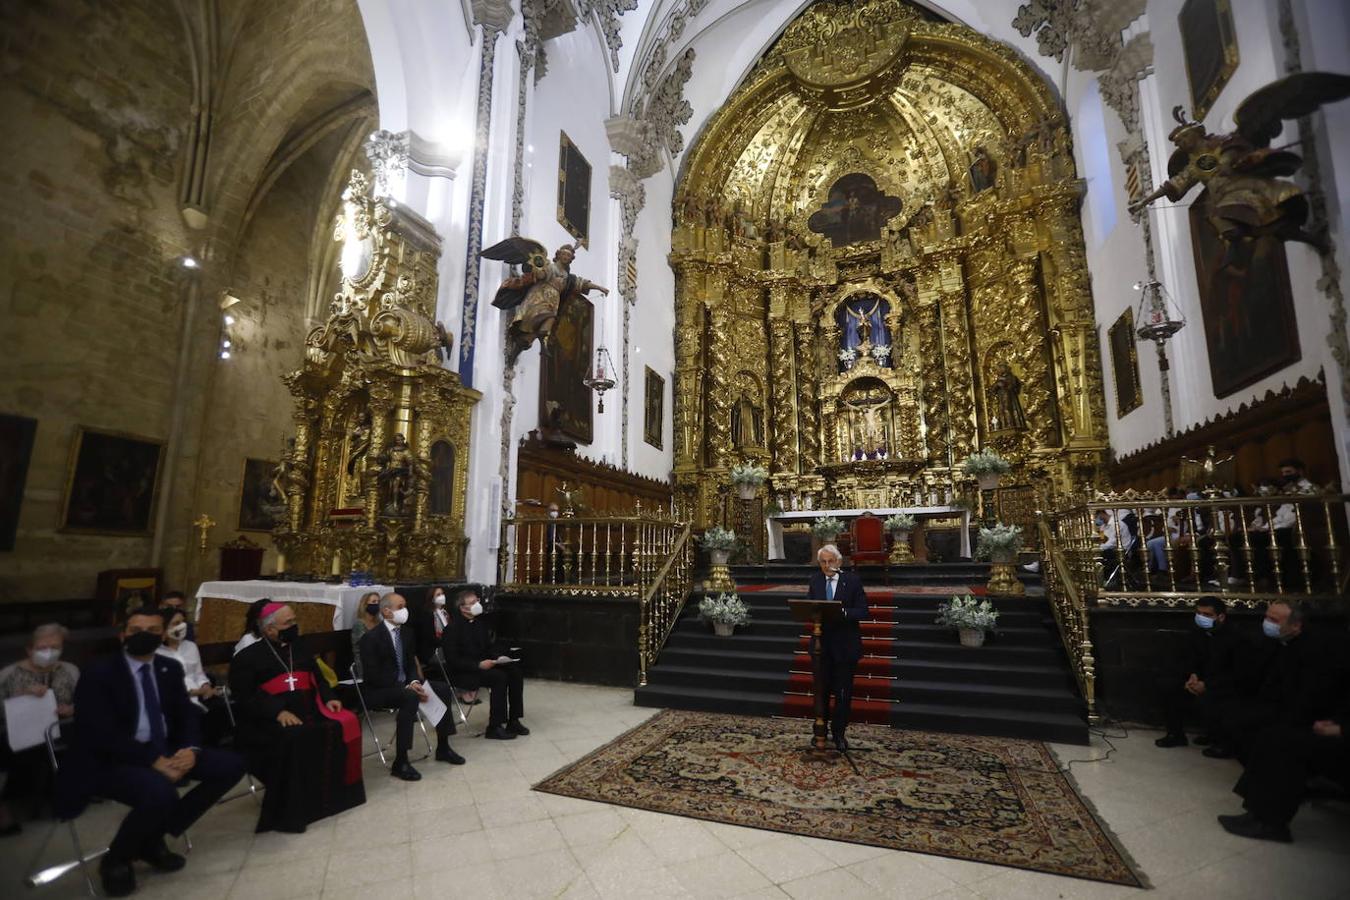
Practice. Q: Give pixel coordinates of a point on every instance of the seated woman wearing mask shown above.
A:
(41, 671)
(202, 693)
(367, 617)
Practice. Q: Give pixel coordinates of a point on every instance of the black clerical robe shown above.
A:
(311, 770)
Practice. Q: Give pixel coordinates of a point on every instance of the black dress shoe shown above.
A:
(119, 880)
(158, 855)
(446, 755)
(1217, 751)
(515, 727)
(499, 733)
(1171, 740)
(1248, 825)
(840, 742)
(1202, 740)
(404, 770)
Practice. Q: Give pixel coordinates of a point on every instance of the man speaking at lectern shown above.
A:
(840, 640)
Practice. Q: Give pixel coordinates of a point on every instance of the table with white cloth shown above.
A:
(775, 523)
(319, 607)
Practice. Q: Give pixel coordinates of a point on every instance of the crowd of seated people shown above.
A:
(148, 721)
(1278, 704)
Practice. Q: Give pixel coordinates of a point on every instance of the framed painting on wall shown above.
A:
(259, 505)
(574, 191)
(16, 448)
(1251, 330)
(1125, 364)
(564, 402)
(1210, 47)
(653, 420)
(112, 483)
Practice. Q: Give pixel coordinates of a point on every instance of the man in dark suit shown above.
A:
(476, 660)
(391, 678)
(1206, 675)
(840, 641)
(136, 736)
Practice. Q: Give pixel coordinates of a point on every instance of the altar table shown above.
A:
(223, 621)
(774, 523)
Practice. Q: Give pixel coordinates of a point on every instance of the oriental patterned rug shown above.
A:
(989, 800)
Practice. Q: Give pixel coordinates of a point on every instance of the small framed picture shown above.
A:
(653, 420)
(260, 507)
(112, 483)
(1125, 364)
(1209, 44)
(574, 191)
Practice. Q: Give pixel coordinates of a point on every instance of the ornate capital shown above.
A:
(493, 14)
(607, 12)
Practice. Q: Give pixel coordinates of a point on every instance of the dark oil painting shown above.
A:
(259, 504)
(564, 402)
(113, 480)
(16, 447)
(855, 211)
(653, 408)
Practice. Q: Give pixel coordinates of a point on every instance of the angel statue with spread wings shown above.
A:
(537, 292)
(1248, 197)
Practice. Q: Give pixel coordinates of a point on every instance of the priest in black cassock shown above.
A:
(298, 739)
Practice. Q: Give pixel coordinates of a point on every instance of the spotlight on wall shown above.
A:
(190, 262)
(224, 354)
(229, 320)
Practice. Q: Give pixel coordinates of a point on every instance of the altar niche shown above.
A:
(880, 269)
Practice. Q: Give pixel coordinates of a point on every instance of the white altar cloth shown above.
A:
(774, 523)
(342, 597)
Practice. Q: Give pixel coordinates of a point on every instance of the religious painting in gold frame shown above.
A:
(564, 401)
(111, 484)
(654, 408)
(574, 191)
(258, 500)
(1125, 364)
(1209, 45)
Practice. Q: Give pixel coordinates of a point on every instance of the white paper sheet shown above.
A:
(27, 718)
(432, 708)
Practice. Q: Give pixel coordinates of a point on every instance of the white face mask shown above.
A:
(400, 616)
(179, 631)
(47, 656)
(439, 599)
(553, 514)
(476, 610)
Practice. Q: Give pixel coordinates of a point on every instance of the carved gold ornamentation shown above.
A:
(973, 278)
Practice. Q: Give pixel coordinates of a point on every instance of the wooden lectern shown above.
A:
(817, 613)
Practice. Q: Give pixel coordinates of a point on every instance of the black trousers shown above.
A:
(1242, 723)
(507, 698)
(1180, 705)
(838, 675)
(1273, 784)
(156, 807)
(405, 704)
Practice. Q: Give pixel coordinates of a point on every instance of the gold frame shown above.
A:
(72, 464)
(1203, 101)
(653, 432)
(1126, 322)
(239, 498)
(566, 148)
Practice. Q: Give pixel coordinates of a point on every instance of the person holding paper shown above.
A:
(840, 641)
(476, 661)
(391, 678)
(40, 672)
(136, 738)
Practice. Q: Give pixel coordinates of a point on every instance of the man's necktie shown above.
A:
(152, 710)
(398, 653)
(829, 588)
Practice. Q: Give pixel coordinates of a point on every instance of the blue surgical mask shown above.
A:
(1204, 622)
(1270, 629)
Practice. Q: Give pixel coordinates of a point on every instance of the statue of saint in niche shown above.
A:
(399, 472)
(1007, 390)
(983, 171)
(855, 211)
(747, 423)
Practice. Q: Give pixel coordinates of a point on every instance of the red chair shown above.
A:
(868, 540)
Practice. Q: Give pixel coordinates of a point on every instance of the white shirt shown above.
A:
(194, 676)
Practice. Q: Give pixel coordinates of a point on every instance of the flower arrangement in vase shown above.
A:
(987, 467)
(970, 617)
(719, 542)
(725, 611)
(747, 479)
(827, 528)
(999, 544)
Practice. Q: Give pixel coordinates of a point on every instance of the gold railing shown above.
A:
(1156, 551)
(1071, 615)
(645, 556)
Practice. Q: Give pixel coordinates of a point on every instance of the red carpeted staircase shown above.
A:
(914, 673)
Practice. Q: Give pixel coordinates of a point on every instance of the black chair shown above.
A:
(355, 683)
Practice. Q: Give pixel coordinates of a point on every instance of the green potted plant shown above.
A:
(987, 467)
(999, 544)
(747, 479)
(970, 617)
(725, 611)
(827, 528)
(719, 542)
(900, 525)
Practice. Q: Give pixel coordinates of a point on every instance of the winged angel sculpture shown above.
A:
(537, 292)
(1248, 196)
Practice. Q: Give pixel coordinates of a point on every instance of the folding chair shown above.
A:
(355, 682)
(454, 692)
(253, 787)
(52, 873)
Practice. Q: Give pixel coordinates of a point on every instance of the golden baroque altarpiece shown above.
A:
(880, 269)
(376, 475)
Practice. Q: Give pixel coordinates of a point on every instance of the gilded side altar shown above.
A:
(376, 475)
(880, 269)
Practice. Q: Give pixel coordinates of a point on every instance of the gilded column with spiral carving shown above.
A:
(719, 387)
(688, 421)
(784, 410)
(808, 393)
(1030, 332)
(960, 387)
